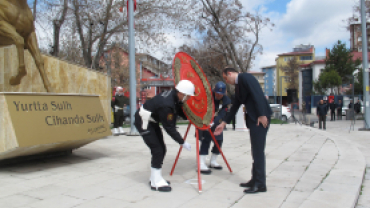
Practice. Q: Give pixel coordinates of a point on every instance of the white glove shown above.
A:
(186, 146)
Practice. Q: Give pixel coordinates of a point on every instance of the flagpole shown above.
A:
(132, 65)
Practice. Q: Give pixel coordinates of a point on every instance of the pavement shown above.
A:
(306, 168)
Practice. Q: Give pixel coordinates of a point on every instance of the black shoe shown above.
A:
(255, 189)
(216, 167)
(206, 172)
(247, 185)
(162, 189)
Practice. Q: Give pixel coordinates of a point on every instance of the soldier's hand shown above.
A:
(187, 146)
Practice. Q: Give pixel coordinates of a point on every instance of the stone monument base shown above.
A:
(35, 123)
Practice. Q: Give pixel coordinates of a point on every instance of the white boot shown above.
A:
(121, 130)
(157, 182)
(115, 132)
(203, 167)
(214, 163)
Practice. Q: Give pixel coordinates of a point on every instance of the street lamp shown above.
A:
(281, 95)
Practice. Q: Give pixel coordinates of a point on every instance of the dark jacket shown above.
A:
(251, 95)
(121, 100)
(165, 108)
(340, 106)
(357, 107)
(321, 110)
(333, 106)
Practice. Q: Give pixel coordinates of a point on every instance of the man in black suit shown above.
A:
(248, 92)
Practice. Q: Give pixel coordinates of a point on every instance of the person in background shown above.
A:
(321, 112)
(119, 103)
(339, 110)
(332, 107)
(358, 107)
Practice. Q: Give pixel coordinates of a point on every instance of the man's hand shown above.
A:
(187, 146)
(219, 128)
(263, 120)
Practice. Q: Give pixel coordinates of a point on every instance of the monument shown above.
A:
(46, 105)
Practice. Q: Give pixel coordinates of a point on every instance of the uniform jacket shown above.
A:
(251, 95)
(220, 114)
(165, 108)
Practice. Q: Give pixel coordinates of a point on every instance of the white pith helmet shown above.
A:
(186, 87)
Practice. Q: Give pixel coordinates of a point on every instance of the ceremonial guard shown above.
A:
(219, 99)
(162, 108)
(120, 102)
(249, 92)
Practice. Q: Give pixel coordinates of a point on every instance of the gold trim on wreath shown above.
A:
(198, 121)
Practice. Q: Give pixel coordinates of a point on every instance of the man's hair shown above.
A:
(229, 69)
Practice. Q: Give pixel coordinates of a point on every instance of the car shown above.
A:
(285, 111)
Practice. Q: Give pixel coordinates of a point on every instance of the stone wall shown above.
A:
(64, 77)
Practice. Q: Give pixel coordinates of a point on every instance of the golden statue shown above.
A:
(17, 27)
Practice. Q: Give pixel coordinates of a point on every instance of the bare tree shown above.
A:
(98, 22)
(291, 70)
(232, 31)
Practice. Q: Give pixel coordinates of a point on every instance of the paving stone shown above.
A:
(59, 201)
(17, 201)
(46, 191)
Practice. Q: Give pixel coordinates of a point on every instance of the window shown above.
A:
(289, 58)
(302, 58)
(359, 38)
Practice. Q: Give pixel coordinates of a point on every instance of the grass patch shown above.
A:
(276, 121)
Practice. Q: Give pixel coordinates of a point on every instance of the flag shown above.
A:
(134, 6)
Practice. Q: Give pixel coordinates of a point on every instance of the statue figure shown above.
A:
(17, 27)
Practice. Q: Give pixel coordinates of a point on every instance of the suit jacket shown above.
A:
(251, 95)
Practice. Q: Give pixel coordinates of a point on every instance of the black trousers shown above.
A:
(332, 114)
(233, 122)
(153, 138)
(118, 119)
(206, 143)
(339, 114)
(322, 121)
(258, 143)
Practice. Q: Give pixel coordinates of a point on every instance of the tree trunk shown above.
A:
(57, 24)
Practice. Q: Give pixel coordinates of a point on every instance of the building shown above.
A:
(304, 54)
(270, 81)
(260, 78)
(356, 37)
(148, 68)
(307, 74)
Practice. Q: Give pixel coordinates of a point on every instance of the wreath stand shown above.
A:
(197, 150)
